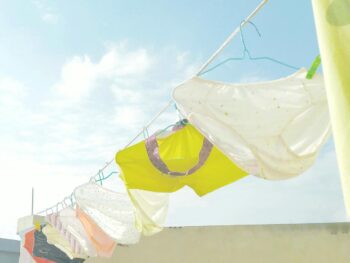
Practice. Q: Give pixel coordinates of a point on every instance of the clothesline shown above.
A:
(99, 179)
(200, 71)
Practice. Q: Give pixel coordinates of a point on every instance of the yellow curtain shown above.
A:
(332, 18)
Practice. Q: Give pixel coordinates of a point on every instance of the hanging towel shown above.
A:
(272, 129)
(111, 211)
(102, 242)
(181, 158)
(72, 230)
(151, 210)
(332, 18)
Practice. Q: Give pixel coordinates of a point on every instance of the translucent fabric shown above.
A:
(179, 153)
(112, 212)
(272, 129)
(73, 231)
(102, 242)
(332, 19)
(151, 210)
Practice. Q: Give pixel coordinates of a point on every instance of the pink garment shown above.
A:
(54, 220)
(103, 243)
(70, 227)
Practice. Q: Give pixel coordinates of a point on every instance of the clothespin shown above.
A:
(37, 225)
(315, 64)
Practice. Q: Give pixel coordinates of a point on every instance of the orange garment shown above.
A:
(29, 246)
(103, 243)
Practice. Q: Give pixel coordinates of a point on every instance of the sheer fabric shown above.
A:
(103, 243)
(151, 210)
(71, 228)
(271, 129)
(111, 211)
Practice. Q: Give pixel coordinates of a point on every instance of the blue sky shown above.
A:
(79, 78)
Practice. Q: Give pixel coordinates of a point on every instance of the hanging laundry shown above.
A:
(332, 18)
(168, 163)
(43, 252)
(151, 210)
(24, 256)
(27, 223)
(43, 249)
(103, 243)
(55, 238)
(272, 129)
(111, 211)
(73, 231)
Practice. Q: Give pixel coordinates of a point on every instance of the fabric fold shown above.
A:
(69, 226)
(272, 129)
(111, 211)
(103, 243)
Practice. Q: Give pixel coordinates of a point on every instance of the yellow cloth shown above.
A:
(332, 19)
(55, 238)
(151, 210)
(180, 152)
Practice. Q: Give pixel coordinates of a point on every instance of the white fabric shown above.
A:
(24, 256)
(24, 224)
(151, 210)
(272, 129)
(111, 211)
(73, 231)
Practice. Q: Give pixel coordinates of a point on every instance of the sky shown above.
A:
(79, 79)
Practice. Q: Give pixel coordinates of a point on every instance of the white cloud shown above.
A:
(49, 18)
(11, 93)
(46, 13)
(78, 77)
(118, 66)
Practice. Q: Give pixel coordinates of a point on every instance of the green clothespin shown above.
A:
(312, 71)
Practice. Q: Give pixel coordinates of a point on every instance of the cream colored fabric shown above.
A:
(151, 210)
(55, 238)
(332, 19)
(111, 211)
(24, 256)
(272, 129)
(29, 222)
(72, 230)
